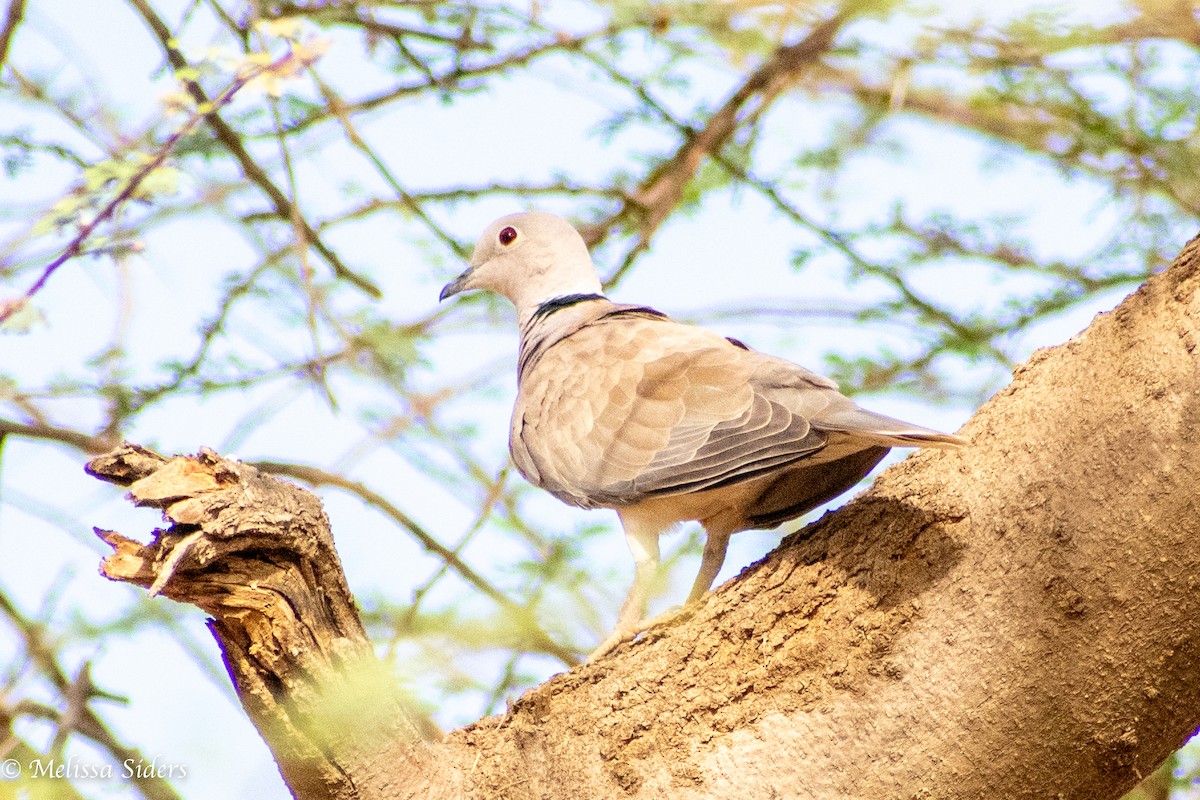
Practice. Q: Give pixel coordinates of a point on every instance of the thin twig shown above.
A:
(406, 199)
(8, 308)
(232, 142)
(42, 654)
(16, 11)
(319, 477)
(81, 441)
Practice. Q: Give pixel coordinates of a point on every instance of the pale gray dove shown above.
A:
(618, 406)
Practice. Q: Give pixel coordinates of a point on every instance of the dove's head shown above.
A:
(529, 258)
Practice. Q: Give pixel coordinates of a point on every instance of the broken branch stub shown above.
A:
(256, 554)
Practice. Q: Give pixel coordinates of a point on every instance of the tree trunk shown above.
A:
(1017, 619)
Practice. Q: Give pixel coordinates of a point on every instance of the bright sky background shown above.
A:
(528, 128)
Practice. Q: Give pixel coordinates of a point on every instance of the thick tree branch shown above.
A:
(1018, 619)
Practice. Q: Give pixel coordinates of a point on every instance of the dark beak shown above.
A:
(455, 286)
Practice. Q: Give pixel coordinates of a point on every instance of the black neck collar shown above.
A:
(559, 303)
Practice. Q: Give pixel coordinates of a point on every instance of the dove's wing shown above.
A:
(629, 407)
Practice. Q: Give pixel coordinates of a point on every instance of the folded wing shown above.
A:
(624, 409)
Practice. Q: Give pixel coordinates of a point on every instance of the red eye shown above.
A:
(508, 236)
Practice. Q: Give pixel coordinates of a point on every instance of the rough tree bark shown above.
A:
(1018, 619)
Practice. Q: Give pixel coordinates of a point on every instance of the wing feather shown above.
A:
(632, 407)
(627, 409)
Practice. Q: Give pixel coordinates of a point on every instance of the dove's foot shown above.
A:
(629, 632)
(613, 639)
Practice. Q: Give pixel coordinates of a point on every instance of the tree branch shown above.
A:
(995, 622)
(663, 189)
(82, 441)
(12, 19)
(256, 554)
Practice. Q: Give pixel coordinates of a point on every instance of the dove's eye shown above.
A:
(508, 236)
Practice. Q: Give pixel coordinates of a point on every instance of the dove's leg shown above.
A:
(644, 547)
(643, 544)
(716, 542)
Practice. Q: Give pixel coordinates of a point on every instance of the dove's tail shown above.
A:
(875, 428)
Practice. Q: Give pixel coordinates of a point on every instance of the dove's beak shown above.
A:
(457, 285)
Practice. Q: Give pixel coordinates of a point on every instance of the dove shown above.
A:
(619, 406)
